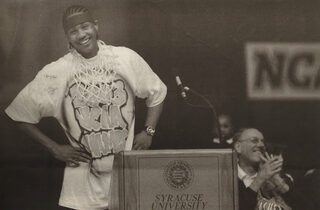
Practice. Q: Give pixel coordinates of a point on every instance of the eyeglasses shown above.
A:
(253, 140)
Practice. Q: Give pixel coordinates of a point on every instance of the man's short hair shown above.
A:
(75, 15)
(236, 136)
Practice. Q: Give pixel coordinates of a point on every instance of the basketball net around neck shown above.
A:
(94, 79)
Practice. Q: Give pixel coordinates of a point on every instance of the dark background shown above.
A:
(202, 40)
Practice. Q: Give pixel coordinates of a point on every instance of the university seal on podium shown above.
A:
(178, 175)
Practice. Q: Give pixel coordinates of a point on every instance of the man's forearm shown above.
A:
(143, 139)
(257, 183)
(38, 135)
(153, 115)
(72, 156)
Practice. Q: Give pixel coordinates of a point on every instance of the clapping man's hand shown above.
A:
(270, 169)
(269, 166)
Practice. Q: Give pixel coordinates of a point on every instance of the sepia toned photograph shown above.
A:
(159, 104)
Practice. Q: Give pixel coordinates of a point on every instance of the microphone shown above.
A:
(180, 86)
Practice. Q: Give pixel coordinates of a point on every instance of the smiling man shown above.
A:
(81, 31)
(260, 183)
(91, 92)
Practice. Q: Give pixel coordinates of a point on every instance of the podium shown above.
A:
(175, 179)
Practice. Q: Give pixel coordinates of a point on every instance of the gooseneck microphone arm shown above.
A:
(184, 90)
(209, 104)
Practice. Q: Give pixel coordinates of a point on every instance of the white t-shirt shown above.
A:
(93, 100)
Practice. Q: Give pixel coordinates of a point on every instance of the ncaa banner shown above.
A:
(283, 70)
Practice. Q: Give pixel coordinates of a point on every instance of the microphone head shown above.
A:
(178, 81)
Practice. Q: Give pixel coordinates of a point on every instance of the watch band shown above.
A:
(149, 130)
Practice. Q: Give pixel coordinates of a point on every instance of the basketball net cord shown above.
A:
(95, 78)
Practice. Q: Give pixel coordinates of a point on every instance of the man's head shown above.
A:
(226, 126)
(249, 144)
(81, 30)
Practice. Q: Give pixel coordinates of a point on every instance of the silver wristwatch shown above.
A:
(149, 130)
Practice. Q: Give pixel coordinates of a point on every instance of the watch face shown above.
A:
(150, 131)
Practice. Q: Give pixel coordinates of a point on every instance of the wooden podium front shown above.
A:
(174, 179)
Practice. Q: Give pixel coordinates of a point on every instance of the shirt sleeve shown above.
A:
(148, 84)
(36, 100)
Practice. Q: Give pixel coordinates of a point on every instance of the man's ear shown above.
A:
(237, 147)
(96, 24)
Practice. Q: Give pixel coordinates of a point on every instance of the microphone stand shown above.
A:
(208, 103)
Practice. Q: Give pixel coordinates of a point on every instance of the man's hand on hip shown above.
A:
(72, 156)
